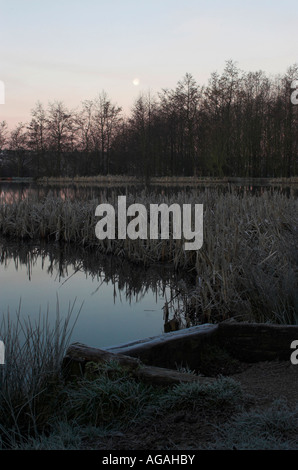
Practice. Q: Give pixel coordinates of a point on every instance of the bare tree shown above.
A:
(18, 147)
(60, 128)
(3, 134)
(106, 120)
(240, 124)
(37, 137)
(84, 122)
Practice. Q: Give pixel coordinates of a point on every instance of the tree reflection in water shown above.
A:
(131, 282)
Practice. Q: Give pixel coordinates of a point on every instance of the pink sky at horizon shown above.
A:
(71, 51)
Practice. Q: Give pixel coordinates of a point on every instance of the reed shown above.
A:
(246, 268)
(31, 375)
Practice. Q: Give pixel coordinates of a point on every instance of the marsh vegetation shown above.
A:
(247, 267)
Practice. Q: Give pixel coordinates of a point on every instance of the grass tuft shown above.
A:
(223, 392)
(31, 376)
(274, 428)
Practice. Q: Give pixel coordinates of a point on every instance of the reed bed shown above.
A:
(84, 180)
(122, 179)
(247, 267)
(160, 180)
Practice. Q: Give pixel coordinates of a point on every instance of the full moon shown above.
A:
(136, 81)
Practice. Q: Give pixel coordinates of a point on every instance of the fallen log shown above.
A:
(256, 342)
(167, 377)
(180, 348)
(244, 341)
(83, 354)
(79, 355)
(155, 360)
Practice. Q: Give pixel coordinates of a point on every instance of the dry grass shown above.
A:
(113, 180)
(31, 375)
(160, 180)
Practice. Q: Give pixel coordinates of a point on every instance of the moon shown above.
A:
(136, 81)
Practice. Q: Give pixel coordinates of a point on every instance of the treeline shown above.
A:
(240, 124)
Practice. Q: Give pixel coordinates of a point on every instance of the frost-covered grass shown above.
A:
(109, 398)
(223, 392)
(273, 428)
(110, 402)
(88, 412)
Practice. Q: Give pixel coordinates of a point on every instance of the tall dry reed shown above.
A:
(32, 371)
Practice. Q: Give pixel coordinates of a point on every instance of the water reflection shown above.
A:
(122, 302)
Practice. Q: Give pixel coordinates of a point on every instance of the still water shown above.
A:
(119, 303)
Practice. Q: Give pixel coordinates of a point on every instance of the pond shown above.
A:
(117, 302)
(120, 302)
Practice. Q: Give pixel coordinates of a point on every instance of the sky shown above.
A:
(72, 50)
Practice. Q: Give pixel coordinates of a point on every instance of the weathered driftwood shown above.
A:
(181, 348)
(156, 359)
(247, 342)
(83, 354)
(78, 355)
(167, 377)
